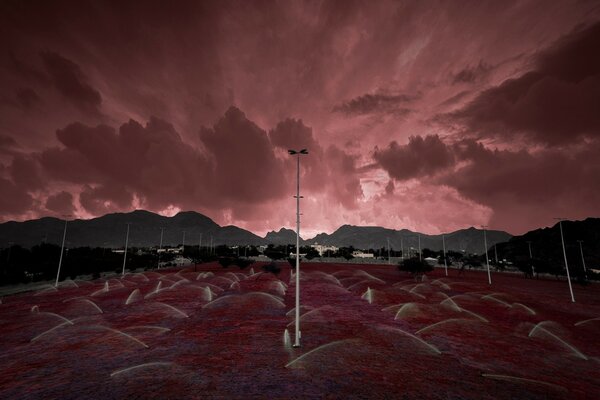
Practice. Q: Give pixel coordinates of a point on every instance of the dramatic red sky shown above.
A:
(426, 115)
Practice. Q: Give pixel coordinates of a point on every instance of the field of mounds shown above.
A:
(367, 332)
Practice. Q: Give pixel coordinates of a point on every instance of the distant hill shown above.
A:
(109, 231)
(546, 244)
(372, 237)
(284, 236)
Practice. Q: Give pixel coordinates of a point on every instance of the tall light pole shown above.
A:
(62, 250)
(200, 245)
(162, 230)
(297, 154)
(419, 237)
(582, 259)
(565, 255)
(183, 245)
(487, 260)
(125, 252)
(444, 247)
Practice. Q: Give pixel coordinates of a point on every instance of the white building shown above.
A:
(360, 254)
(323, 249)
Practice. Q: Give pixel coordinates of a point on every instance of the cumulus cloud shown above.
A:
(421, 157)
(555, 103)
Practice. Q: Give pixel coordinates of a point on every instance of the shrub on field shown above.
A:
(272, 268)
(416, 267)
(242, 262)
(225, 261)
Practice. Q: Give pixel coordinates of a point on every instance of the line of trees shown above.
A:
(40, 263)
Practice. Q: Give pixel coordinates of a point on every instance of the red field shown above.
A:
(367, 332)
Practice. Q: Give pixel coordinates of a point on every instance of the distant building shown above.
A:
(360, 254)
(431, 260)
(321, 248)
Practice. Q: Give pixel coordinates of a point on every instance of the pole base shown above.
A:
(295, 346)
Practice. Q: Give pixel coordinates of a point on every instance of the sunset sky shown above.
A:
(426, 115)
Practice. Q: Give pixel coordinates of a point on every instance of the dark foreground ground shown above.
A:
(367, 332)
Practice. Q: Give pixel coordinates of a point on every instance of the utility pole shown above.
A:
(531, 258)
(402, 248)
(125, 252)
(582, 259)
(389, 257)
(562, 239)
(496, 254)
(62, 250)
(444, 247)
(162, 230)
(487, 260)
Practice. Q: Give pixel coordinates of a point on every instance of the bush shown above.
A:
(416, 267)
(272, 268)
(242, 262)
(225, 261)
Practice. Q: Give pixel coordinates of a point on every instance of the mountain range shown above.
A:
(145, 231)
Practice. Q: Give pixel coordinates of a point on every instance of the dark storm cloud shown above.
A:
(104, 199)
(472, 74)
(70, 81)
(377, 103)
(421, 157)
(522, 188)
(60, 203)
(27, 98)
(14, 199)
(555, 103)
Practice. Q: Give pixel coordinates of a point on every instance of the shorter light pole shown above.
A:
(565, 255)
(183, 245)
(402, 248)
(162, 230)
(389, 257)
(582, 259)
(419, 237)
(62, 250)
(444, 248)
(125, 252)
(487, 260)
(531, 258)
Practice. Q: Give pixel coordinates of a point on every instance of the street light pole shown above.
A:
(565, 256)
(125, 252)
(444, 247)
(582, 259)
(62, 249)
(419, 237)
(487, 260)
(297, 154)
